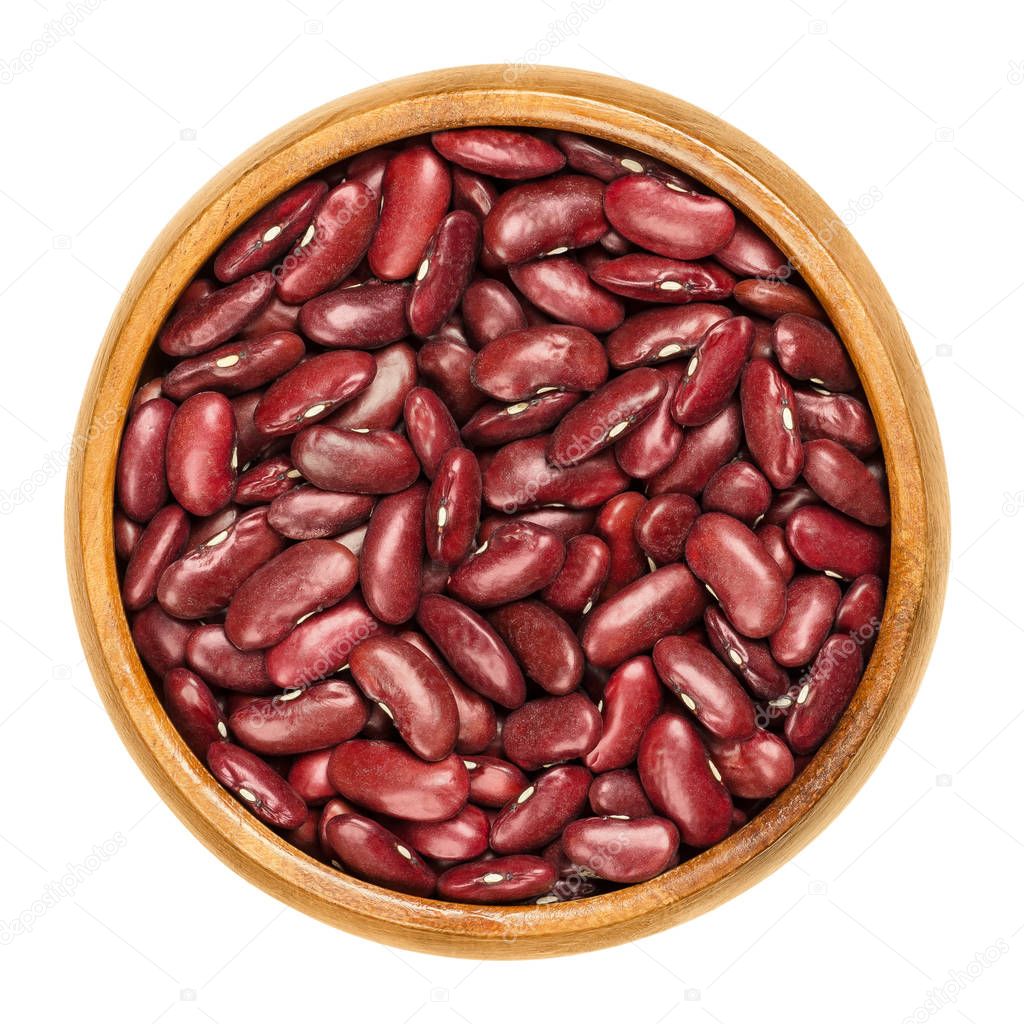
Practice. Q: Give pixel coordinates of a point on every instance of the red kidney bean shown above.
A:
(207, 527)
(740, 490)
(307, 513)
(370, 851)
(369, 167)
(615, 525)
(808, 350)
(622, 851)
(551, 730)
(770, 423)
(332, 245)
(860, 611)
(141, 472)
(430, 428)
(160, 544)
(662, 524)
(540, 812)
(210, 653)
(211, 321)
(844, 482)
(367, 316)
(608, 161)
(452, 511)
(202, 458)
(650, 446)
(444, 273)
(301, 720)
(753, 768)
(194, 710)
(416, 188)
(391, 563)
(518, 366)
(666, 601)
(490, 311)
(520, 476)
(256, 784)
(562, 288)
(658, 279)
(619, 794)
(380, 406)
(497, 880)
(303, 579)
(355, 461)
(267, 480)
(517, 560)
(743, 577)
(473, 649)
(277, 316)
(160, 638)
(825, 693)
(713, 371)
(787, 501)
(704, 449)
(269, 234)
(750, 253)
(126, 535)
(445, 364)
(613, 411)
(498, 152)
(236, 367)
(631, 700)
(655, 335)
(543, 644)
(331, 809)
(196, 290)
(830, 542)
(565, 522)
(251, 441)
(749, 659)
(312, 390)
(204, 580)
(665, 219)
(472, 192)
(308, 776)
(582, 576)
(564, 212)
(387, 779)
(321, 644)
(412, 691)
(682, 782)
(840, 418)
(463, 837)
(774, 539)
(773, 299)
(705, 686)
(811, 603)
(496, 423)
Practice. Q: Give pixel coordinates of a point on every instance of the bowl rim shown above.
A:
(832, 265)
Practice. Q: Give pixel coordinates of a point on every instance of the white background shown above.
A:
(907, 119)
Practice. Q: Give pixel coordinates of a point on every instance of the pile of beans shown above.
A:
(507, 523)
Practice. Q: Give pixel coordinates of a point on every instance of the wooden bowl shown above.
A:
(848, 288)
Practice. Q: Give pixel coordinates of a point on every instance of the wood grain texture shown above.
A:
(847, 286)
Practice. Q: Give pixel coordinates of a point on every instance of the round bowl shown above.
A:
(848, 288)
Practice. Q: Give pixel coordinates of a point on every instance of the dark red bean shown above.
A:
(841, 418)
(739, 490)
(560, 287)
(662, 525)
(472, 192)
(808, 350)
(658, 279)
(256, 784)
(370, 851)
(750, 253)
(743, 577)
(543, 644)
(825, 693)
(496, 423)
(493, 782)
(160, 638)
(416, 188)
(210, 653)
(267, 480)
(355, 461)
(444, 273)
(682, 782)
(616, 527)
(619, 792)
(412, 691)
(499, 152)
(445, 364)
(753, 768)
(860, 610)
(497, 880)
(430, 428)
(666, 601)
(811, 602)
(369, 167)
(749, 659)
(141, 464)
(308, 777)
(704, 449)
(126, 535)
(551, 730)
(202, 458)
(252, 442)
(367, 316)
(656, 335)
(380, 406)
(473, 649)
(565, 522)
(332, 809)
(773, 299)
(608, 160)
(713, 371)
(212, 320)
(276, 316)
(622, 851)
(452, 511)
(463, 837)
(631, 700)
(770, 423)
(391, 563)
(830, 542)
(160, 544)
(387, 779)
(844, 482)
(307, 513)
(651, 445)
(774, 539)
(787, 501)
(582, 576)
(540, 812)
(194, 710)
(491, 310)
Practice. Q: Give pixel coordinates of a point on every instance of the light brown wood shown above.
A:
(847, 286)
